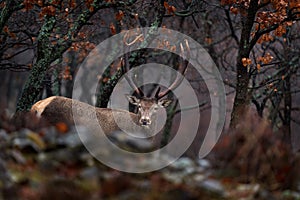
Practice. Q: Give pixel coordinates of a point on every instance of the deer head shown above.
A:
(148, 106)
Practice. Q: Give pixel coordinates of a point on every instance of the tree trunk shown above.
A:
(287, 110)
(242, 96)
(33, 85)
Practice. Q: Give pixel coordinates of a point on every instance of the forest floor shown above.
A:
(52, 163)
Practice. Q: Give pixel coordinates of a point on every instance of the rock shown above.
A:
(212, 186)
(288, 194)
(46, 162)
(4, 139)
(23, 132)
(70, 140)
(50, 135)
(87, 158)
(182, 163)
(3, 135)
(26, 145)
(5, 176)
(18, 157)
(131, 143)
(264, 194)
(89, 173)
(180, 170)
(174, 177)
(27, 140)
(244, 190)
(65, 155)
(204, 163)
(199, 177)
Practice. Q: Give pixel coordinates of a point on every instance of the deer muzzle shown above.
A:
(145, 121)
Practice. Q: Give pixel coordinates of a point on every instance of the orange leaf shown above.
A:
(61, 127)
(5, 29)
(73, 3)
(170, 9)
(112, 29)
(208, 40)
(105, 80)
(119, 16)
(289, 23)
(52, 10)
(166, 5)
(40, 3)
(246, 61)
(91, 8)
(234, 10)
(81, 35)
(27, 5)
(2, 4)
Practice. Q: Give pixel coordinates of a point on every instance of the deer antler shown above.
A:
(126, 65)
(130, 81)
(179, 78)
(158, 94)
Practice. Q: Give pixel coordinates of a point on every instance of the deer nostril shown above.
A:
(145, 121)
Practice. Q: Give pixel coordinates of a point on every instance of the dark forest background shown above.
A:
(255, 45)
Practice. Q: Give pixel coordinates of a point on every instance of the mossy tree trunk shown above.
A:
(34, 83)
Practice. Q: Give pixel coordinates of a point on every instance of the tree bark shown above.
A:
(287, 110)
(242, 96)
(34, 83)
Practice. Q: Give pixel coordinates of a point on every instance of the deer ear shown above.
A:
(164, 102)
(132, 99)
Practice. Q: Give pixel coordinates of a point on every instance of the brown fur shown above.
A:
(59, 109)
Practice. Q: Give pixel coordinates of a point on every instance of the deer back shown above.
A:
(61, 109)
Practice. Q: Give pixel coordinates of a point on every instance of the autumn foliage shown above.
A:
(273, 17)
(257, 154)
